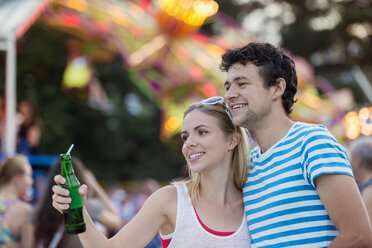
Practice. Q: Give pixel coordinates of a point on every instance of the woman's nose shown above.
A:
(190, 142)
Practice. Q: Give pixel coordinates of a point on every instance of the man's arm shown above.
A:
(346, 209)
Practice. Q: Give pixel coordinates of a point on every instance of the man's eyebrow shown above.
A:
(236, 79)
(239, 78)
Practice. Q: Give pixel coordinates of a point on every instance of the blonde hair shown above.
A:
(11, 167)
(240, 153)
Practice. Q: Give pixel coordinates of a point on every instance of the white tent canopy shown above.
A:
(15, 18)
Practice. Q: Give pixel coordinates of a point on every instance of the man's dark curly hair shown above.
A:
(273, 63)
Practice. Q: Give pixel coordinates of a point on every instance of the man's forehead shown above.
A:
(236, 67)
(239, 71)
(236, 72)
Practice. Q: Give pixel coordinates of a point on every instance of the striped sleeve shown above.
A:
(322, 154)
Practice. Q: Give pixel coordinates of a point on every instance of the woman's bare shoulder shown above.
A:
(165, 194)
(21, 207)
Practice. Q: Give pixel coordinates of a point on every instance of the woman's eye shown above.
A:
(184, 138)
(202, 132)
(242, 84)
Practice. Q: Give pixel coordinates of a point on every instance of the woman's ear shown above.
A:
(233, 140)
(279, 88)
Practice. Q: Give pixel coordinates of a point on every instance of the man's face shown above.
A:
(248, 99)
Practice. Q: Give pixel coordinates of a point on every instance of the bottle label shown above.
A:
(76, 201)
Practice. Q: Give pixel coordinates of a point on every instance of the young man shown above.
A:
(361, 162)
(300, 190)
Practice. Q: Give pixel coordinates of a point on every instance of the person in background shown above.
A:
(300, 189)
(361, 162)
(135, 198)
(48, 223)
(15, 181)
(29, 130)
(205, 210)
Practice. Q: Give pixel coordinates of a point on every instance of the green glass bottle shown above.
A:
(74, 221)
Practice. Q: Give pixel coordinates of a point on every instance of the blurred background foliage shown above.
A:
(115, 145)
(333, 35)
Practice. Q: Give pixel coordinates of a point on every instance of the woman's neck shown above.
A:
(219, 189)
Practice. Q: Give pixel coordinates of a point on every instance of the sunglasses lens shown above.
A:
(218, 100)
(213, 100)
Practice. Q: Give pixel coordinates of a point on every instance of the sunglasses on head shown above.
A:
(218, 100)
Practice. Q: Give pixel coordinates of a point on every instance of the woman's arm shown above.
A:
(138, 232)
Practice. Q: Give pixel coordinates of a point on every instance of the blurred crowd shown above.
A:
(27, 222)
(28, 127)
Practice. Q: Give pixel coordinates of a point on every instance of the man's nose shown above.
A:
(230, 94)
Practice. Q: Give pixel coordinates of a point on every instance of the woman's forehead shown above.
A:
(197, 117)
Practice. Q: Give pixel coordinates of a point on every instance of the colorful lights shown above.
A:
(172, 118)
(172, 124)
(310, 99)
(182, 17)
(79, 5)
(358, 123)
(148, 49)
(189, 11)
(210, 90)
(71, 20)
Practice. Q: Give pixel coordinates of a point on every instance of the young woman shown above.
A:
(29, 130)
(15, 180)
(205, 210)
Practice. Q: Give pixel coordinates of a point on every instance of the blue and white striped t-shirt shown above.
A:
(282, 206)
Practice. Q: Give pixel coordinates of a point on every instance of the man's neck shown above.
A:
(271, 130)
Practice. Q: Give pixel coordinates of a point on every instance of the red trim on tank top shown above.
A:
(218, 233)
(165, 242)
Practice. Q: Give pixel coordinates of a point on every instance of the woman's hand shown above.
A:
(61, 199)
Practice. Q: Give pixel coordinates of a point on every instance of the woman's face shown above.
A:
(204, 142)
(24, 181)
(25, 108)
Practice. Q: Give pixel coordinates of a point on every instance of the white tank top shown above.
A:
(189, 232)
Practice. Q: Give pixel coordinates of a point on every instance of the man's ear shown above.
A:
(279, 88)
(233, 140)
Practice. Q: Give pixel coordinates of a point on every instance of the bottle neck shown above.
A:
(67, 172)
(66, 168)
